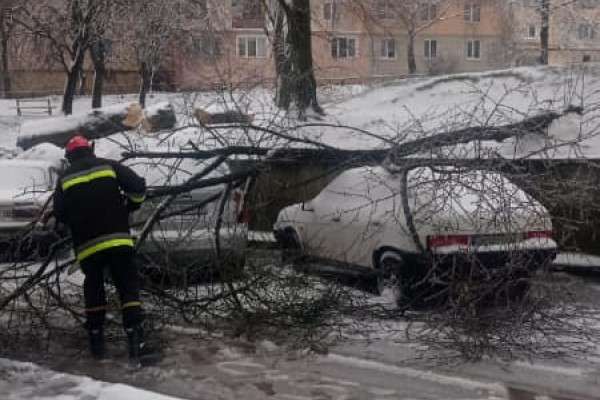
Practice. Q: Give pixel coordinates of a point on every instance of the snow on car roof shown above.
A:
(159, 172)
(26, 163)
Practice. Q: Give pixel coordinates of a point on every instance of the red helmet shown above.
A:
(77, 142)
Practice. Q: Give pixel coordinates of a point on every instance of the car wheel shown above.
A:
(6, 250)
(391, 274)
(291, 251)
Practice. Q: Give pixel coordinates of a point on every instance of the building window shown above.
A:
(472, 12)
(585, 32)
(388, 49)
(342, 47)
(252, 46)
(430, 49)
(247, 14)
(532, 32)
(589, 4)
(473, 49)
(7, 15)
(384, 9)
(428, 11)
(329, 11)
(207, 45)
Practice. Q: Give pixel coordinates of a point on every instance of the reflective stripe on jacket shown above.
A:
(86, 176)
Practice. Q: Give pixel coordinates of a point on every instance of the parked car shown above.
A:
(25, 187)
(183, 246)
(371, 222)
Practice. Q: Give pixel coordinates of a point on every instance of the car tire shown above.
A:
(291, 248)
(391, 273)
(6, 250)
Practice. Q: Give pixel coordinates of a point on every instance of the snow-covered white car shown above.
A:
(370, 220)
(186, 240)
(25, 187)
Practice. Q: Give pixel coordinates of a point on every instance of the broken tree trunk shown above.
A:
(99, 123)
(206, 118)
(537, 124)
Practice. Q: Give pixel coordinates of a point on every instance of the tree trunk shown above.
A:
(283, 93)
(82, 82)
(545, 31)
(69, 94)
(99, 60)
(98, 88)
(298, 79)
(98, 123)
(146, 82)
(6, 82)
(71, 85)
(412, 63)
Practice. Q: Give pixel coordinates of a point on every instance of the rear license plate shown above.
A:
(487, 240)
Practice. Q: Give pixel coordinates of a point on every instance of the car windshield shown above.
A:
(24, 177)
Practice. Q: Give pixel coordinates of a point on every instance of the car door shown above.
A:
(337, 226)
(372, 214)
(323, 221)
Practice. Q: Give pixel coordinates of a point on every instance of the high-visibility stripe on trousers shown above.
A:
(103, 243)
(137, 198)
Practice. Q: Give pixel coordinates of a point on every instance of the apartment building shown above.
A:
(573, 33)
(353, 40)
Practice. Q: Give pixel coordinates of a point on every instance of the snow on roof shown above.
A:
(403, 110)
(65, 123)
(25, 163)
(44, 152)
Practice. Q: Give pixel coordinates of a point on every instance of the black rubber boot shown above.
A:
(140, 353)
(96, 336)
(135, 341)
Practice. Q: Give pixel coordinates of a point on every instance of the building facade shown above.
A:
(230, 44)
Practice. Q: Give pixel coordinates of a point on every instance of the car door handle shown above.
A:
(336, 219)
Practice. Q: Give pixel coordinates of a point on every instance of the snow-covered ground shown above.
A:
(20, 381)
(389, 367)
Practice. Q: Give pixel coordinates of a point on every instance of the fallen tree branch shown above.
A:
(534, 125)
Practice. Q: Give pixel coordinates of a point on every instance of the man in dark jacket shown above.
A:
(93, 198)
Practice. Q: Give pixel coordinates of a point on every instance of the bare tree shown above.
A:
(7, 10)
(292, 48)
(154, 26)
(69, 28)
(99, 52)
(544, 8)
(417, 16)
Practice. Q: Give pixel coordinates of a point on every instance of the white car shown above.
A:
(25, 187)
(185, 242)
(370, 221)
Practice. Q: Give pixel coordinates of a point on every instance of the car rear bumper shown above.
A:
(524, 260)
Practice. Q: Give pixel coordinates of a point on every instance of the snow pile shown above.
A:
(45, 151)
(21, 381)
